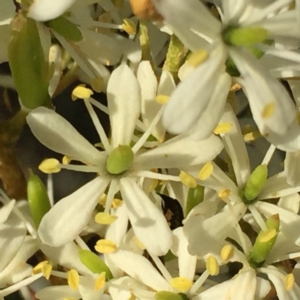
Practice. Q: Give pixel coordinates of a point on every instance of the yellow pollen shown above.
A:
(181, 284)
(138, 243)
(212, 266)
(223, 128)
(206, 171)
(252, 136)
(289, 281)
(100, 282)
(129, 26)
(49, 166)
(268, 110)
(66, 160)
(73, 279)
(162, 99)
(102, 199)
(268, 235)
(43, 267)
(235, 87)
(97, 84)
(223, 194)
(81, 92)
(226, 252)
(187, 179)
(105, 246)
(116, 203)
(104, 218)
(197, 58)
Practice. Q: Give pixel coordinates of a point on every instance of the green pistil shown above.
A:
(164, 295)
(254, 184)
(119, 160)
(247, 37)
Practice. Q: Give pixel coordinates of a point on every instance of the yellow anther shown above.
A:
(268, 110)
(43, 267)
(97, 84)
(104, 218)
(81, 92)
(102, 199)
(187, 179)
(116, 203)
(153, 185)
(206, 171)
(197, 58)
(162, 99)
(268, 235)
(105, 246)
(235, 87)
(107, 63)
(66, 160)
(223, 194)
(227, 252)
(212, 266)
(49, 166)
(100, 282)
(73, 279)
(129, 26)
(252, 136)
(289, 281)
(138, 243)
(223, 128)
(181, 284)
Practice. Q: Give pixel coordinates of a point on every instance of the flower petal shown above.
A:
(56, 133)
(148, 222)
(44, 10)
(123, 98)
(180, 151)
(67, 218)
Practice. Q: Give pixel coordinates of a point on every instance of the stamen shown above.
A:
(269, 155)
(102, 199)
(212, 265)
(105, 246)
(116, 203)
(100, 282)
(223, 128)
(49, 166)
(73, 279)
(66, 160)
(258, 218)
(289, 281)
(138, 243)
(181, 284)
(224, 194)
(197, 58)
(43, 267)
(162, 99)
(227, 252)
(104, 218)
(129, 26)
(187, 179)
(81, 92)
(206, 171)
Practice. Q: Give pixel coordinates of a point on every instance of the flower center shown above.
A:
(119, 160)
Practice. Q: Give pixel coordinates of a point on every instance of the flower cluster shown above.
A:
(193, 184)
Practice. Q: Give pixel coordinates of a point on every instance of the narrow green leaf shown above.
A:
(65, 28)
(38, 199)
(27, 63)
(94, 263)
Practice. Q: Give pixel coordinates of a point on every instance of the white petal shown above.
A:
(235, 146)
(290, 202)
(140, 268)
(292, 167)
(180, 151)
(59, 135)
(6, 210)
(59, 292)
(279, 127)
(193, 94)
(87, 288)
(67, 218)
(45, 10)
(7, 12)
(123, 98)
(55, 58)
(148, 222)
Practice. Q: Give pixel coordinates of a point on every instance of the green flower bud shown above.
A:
(264, 242)
(246, 36)
(65, 28)
(94, 263)
(195, 196)
(255, 184)
(164, 295)
(38, 199)
(29, 68)
(119, 160)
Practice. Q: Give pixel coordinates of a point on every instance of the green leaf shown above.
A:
(27, 63)
(94, 263)
(65, 28)
(38, 199)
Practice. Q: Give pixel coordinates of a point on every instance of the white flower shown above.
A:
(69, 216)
